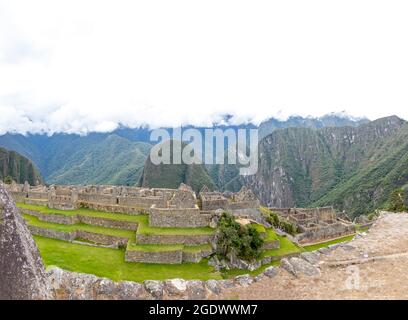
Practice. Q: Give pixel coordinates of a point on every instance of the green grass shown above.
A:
(195, 249)
(110, 263)
(271, 235)
(317, 246)
(258, 227)
(34, 221)
(286, 247)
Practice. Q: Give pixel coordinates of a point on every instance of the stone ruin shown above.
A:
(166, 207)
(316, 224)
(181, 208)
(243, 204)
(22, 273)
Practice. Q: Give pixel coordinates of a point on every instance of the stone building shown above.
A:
(316, 224)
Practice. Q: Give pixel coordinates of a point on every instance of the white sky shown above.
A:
(79, 66)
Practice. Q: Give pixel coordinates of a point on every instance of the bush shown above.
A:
(397, 201)
(243, 241)
(8, 180)
(277, 222)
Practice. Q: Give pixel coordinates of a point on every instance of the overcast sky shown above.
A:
(80, 66)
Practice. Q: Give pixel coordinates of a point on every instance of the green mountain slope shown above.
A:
(381, 172)
(19, 168)
(171, 175)
(112, 160)
(332, 166)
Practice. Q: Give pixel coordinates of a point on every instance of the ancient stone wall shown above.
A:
(96, 238)
(38, 195)
(321, 233)
(18, 196)
(108, 223)
(182, 218)
(53, 234)
(102, 238)
(51, 217)
(194, 239)
(166, 257)
(36, 202)
(114, 208)
(74, 219)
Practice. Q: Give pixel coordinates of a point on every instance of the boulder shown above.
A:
(155, 288)
(196, 290)
(286, 265)
(324, 250)
(105, 289)
(128, 290)
(259, 277)
(266, 260)
(213, 286)
(270, 272)
(347, 247)
(226, 284)
(301, 266)
(22, 271)
(175, 287)
(244, 280)
(311, 257)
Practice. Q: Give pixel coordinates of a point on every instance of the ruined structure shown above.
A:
(316, 224)
(166, 208)
(22, 274)
(243, 204)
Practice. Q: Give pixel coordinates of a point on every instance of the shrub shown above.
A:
(243, 241)
(8, 180)
(273, 219)
(397, 201)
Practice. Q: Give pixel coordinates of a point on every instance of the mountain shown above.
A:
(96, 158)
(118, 157)
(112, 160)
(227, 177)
(328, 120)
(19, 168)
(171, 175)
(352, 168)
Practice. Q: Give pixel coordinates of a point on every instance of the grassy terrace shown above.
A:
(317, 246)
(287, 247)
(142, 220)
(34, 221)
(83, 212)
(110, 263)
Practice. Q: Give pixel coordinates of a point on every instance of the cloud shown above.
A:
(81, 66)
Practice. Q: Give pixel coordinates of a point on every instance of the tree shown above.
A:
(243, 241)
(397, 201)
(8, 180)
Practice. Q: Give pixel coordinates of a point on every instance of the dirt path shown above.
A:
(374, 266)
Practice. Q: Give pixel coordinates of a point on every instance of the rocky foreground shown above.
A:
(372, 266)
